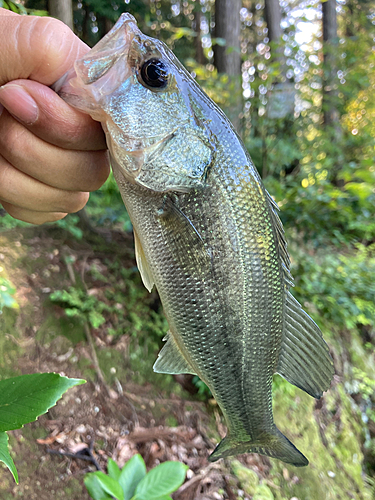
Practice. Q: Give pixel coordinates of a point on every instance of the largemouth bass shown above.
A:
(207, 235)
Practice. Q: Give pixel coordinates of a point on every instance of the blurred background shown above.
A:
(297, 79)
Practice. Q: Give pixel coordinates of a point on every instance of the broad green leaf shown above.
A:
(161, 481)
(113, 469)
(164, 497)
(5, 456)
(110, 485)
(93, 487)
(24, 398)
(132, 473)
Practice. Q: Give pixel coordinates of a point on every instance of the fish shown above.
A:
(207, 235)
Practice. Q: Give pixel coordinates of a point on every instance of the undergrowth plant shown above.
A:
(23, 399)
(132, 482)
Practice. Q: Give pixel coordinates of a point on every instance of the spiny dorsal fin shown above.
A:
(304, 359)
(142, 264)
(171, 360)
(282, 244)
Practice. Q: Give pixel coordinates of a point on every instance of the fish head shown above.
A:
(151, 109)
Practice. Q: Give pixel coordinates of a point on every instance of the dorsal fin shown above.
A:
(304, 358)
(281, 241)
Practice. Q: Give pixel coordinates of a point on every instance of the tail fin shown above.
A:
(272, 444)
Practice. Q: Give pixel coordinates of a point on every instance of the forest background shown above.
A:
(297, 78)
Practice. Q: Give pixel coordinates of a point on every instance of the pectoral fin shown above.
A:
(171, 360)
(184, 240)
(142, 264)
(304, 359)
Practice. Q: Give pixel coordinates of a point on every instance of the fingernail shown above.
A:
(19, 103)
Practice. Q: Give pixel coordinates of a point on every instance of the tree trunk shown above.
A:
(227, 58)
(199, 54)
(272, 13)
(63, 10)
(330, 112)
(331, 115)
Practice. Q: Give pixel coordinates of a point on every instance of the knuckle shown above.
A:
(12, 134)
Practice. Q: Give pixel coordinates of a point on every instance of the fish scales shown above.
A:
(207, 235)
(224, 312)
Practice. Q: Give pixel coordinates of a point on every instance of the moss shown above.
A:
(247, 478)
(10, 349)
(330, 438)
(262, 492)
(71, 328)
(171, 421)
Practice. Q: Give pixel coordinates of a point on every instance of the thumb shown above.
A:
(36, 48)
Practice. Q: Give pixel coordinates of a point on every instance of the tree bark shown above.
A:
(228, 26)
(227, 58)
(330, 112)
(272, 13)
(199, 54)
(63, 10)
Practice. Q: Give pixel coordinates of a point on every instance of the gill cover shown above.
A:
(138, 90)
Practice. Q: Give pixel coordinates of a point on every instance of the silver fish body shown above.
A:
(207, 234)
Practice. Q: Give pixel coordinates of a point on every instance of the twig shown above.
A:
(86, 454)
(95, 360)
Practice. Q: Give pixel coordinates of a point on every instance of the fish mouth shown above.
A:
(91, 79)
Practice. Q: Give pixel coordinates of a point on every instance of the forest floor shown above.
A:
(123, 408)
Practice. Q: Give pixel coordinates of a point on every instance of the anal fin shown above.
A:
(171, 360)
(142, 264)
(304, 359)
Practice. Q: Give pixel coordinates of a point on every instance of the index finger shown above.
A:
(38, 48)
(57, 122)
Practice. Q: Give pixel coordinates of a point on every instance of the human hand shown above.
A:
(51, 155)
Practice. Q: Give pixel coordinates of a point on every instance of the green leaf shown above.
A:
(24, 398)
(93, 487)
(132, 473)
(5, 456)
(96, 319)
(219, 41)
(110, 485)
(113, 469)
(161, 481)
(164, 497)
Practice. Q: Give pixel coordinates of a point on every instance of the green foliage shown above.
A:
(133, 483)
(78, 304)
(23, 399)
(7, 292)
(70, 224)
(5, 455)
(339, 286)
(19, 8)
(132, 473)
(106, 208)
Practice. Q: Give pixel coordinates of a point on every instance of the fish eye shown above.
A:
(154, 74)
